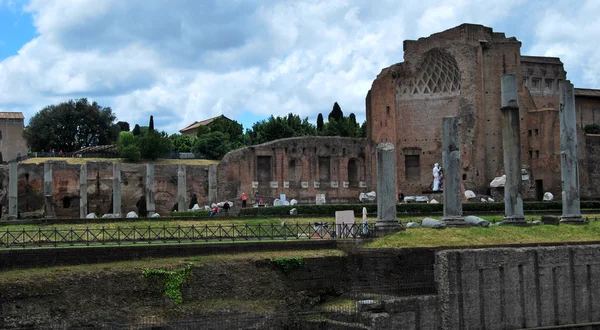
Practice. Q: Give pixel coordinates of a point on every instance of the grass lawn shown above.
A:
(427, 237)
(78, 161)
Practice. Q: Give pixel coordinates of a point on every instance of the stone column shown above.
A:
(48, 206)
(453, 213)
(150, 205)
(212, 184)
(13, 192)
(181, 188)
(386, 190)
(83, 202)
(117, 189)
(511, 143)
(569, 167)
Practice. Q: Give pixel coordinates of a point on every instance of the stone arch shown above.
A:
(437, 74)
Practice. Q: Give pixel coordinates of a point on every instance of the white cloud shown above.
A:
(189, 60)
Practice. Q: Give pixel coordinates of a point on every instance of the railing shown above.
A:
(134, 235)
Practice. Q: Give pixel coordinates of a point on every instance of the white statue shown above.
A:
(436, 177)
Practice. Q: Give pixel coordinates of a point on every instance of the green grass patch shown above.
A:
(496, 235)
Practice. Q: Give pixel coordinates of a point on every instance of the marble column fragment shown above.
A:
(511, 143)
(150, 204)
(569, 166)
(13, 193)
(48, 205)
(181, 188)
(83, 186)
(117, 211)
(212, 184)
(453, 213)
(387, 222)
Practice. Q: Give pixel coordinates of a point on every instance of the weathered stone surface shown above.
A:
(386, 190)
(476, 221)
(569, 163)
(150, 201)
(511, 144)
(498, 182)
(412, 225)
(48, 205)
(117, 189)
(181, 188)
(548, 196)
(91, 216)
(453, 214)
(469, 194)
(155, 215)
(368, 197)
(132, 215)
(13, 193)
(83, 189)
(294, 211)
(320, 199)
(432, 223)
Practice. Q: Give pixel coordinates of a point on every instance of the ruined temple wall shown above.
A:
(588, 110)
(133, 185)
(589, 165)
(197, 184)
(297, 167)
(65, 189)
(542, 143)
(30, 185)
(99, 187)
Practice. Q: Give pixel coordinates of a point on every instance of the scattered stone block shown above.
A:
(196, 207)
(476, 221)
(548, 196)
(320, 199)
(91, 216)
(294, 211)
(433, 223)
(433, 201)
(536, 222)
(412, 225)
(483, 200)
(490, 199)
(155, 215)
(293, 202)
(368, 197)
(108, 215)
(550, 220)
(421, 199)
(469, 194)
(277, 202)
(498, 182)
(132, 215)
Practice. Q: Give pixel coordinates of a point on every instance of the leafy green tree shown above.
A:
(182, 143)
(136, 130)
(278, 128)
(213, 145)
(154, 144)
(363, 129)
(70, 126)
(123, 126)
(320, 123)
(224, 125)
(128, 146)
(336, 113)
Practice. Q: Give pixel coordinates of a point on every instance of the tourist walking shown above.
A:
(243, 199)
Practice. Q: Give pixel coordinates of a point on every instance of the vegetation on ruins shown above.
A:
(218, 138)
(279, 128)
(147, 144)
(287, 264)
(70, 126)
(592, 129)
(182, 142)
(173, 280)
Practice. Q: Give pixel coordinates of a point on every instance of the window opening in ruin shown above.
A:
(353, 172)
(413, 167)
(537, 132)
(549, 83)
(529, 133)
(464, 177)
(294, 171)
(537, 154)
(530, 154)
(387, 109)
(263, 168)
(66, 201)
(524, 81)
(535, 83)
(539, 189)
(324, 168)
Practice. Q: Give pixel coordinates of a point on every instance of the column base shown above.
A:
(455, 221)
(572, 220)
(514, 221)
(12, 217)
(387, 227)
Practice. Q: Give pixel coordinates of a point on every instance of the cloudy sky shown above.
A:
(183, 60)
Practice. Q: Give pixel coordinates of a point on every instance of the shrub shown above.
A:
(128, 147)
(592, 129)
(153, 144)
(173, 280)
(287, 264)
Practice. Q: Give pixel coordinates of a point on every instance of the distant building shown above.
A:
(12, 144)
(192, 130)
